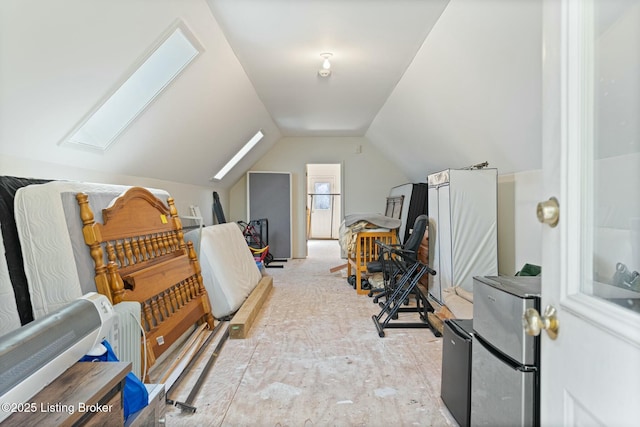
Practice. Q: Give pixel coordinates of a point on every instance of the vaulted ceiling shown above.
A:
(432, 84)
(279, 43)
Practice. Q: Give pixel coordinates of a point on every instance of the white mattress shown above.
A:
(57, 262)
(229, 271)
(9, 318)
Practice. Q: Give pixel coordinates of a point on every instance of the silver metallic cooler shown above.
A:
(505, 367)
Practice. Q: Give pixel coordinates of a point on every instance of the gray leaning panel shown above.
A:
(25, 350)
(270, 198)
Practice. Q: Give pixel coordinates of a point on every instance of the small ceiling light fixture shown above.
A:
(325, 71)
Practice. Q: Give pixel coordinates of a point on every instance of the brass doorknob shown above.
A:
(549, 212)
(533, 322)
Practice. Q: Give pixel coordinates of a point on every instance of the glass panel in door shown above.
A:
(611, 129)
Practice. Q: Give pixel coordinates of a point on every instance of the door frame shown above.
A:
(340, 204)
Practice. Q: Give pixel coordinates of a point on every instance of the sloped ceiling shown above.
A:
(60, 59)
(433, 84)
(279, 44)
(472, 94)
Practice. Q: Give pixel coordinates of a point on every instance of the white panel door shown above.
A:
(590, 374)
(322, 205)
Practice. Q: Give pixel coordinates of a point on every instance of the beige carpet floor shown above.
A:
(314, 358)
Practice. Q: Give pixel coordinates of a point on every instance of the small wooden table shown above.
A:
(88, 393)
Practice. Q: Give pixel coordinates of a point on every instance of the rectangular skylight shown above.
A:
(129, 100)
(239, 155)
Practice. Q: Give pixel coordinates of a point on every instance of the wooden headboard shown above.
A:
(140, 255)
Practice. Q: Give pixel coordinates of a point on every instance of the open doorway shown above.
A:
(324, 201)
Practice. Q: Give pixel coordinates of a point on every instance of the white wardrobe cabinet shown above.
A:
(463, 229)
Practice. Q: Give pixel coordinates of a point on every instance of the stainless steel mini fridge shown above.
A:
(505, 368)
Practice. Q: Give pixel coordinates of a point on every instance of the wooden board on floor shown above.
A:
(337, 268)
(244, 318)
(437, 318)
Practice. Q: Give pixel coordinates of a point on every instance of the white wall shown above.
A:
(367, 177)
(471, 94)
(519, 232)
(184, 195)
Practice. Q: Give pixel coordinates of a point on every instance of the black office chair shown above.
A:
(395, 260)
